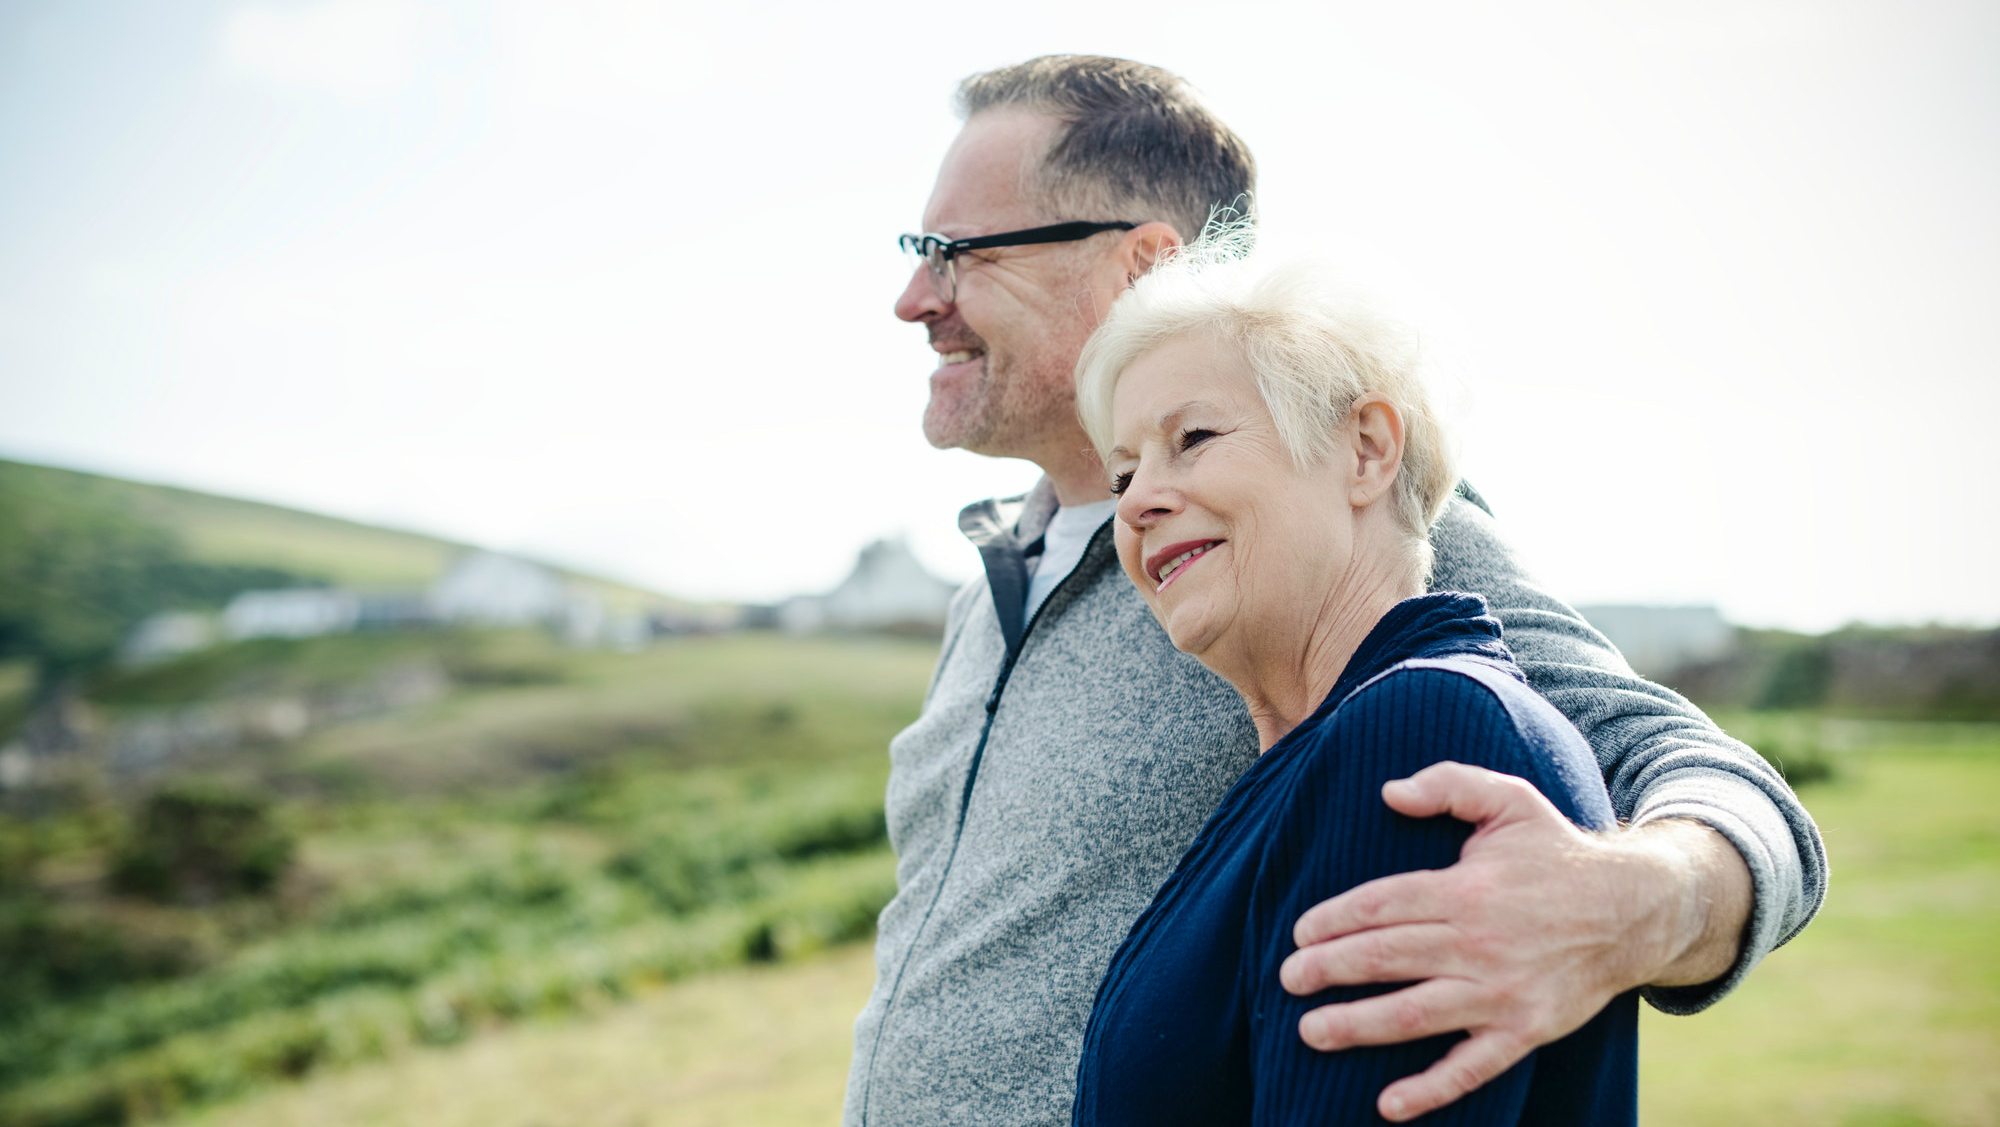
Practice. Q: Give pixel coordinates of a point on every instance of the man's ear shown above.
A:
(1375, 449)
(1144, 246)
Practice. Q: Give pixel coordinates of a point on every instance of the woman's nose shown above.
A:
(1146, 499)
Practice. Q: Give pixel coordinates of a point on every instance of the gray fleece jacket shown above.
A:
(1061, 766)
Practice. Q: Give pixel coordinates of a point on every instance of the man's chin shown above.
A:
(946, 430)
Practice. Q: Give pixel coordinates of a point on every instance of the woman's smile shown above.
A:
(1165, 565)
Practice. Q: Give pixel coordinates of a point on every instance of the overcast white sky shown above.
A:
(1714, 284)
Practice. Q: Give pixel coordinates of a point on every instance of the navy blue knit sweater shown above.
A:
(1191, 1024)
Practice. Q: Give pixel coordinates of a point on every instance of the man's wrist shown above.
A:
(1709, 895)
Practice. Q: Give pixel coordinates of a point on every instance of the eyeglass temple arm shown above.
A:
(1057, 233)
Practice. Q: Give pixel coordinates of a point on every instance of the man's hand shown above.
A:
(1536, 927)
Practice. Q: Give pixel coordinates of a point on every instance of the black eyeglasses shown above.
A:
(938, 251)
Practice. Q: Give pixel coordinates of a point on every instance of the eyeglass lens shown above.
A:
(944, 276)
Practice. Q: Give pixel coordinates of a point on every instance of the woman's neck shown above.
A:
(1290, 671)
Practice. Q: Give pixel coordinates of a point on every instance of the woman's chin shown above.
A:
(1190, 634)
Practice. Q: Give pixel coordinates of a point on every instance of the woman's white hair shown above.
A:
(1312, 350)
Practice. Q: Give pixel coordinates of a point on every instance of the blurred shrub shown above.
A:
(1802, 763)
(695, 862)
(51, 953)
(196, 842)
(495, 672)
(1908, 672)
(1798, 676)
(1796, 744)
(21, 849)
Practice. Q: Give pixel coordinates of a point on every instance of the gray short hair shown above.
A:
(1135, 142)
(1312, 349)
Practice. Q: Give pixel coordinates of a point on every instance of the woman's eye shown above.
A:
(1194, 436)
(1120, 484)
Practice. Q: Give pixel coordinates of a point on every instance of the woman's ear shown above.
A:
(1375, 449)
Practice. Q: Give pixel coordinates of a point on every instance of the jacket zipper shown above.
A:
(964, 806)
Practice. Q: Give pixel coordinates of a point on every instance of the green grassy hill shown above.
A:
(229, 530)
(85, 557)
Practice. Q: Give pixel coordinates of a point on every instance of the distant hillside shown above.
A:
(84, 558)
(212, 529)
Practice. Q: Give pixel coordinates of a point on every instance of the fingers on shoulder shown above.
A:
(1423, 1010)
(1470, 1065)
(1400, 898)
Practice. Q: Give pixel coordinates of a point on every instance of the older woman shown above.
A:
(1277, 465)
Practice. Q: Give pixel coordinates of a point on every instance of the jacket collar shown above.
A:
(1014, 522)
(1003, 528)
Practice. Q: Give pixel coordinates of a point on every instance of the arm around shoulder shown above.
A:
(1663, 760)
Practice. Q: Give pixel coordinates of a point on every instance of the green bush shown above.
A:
(51, 952)
(197, 842)
(1803, 764)
(1798, 745)
(1798, 677)
(21, 850)
(698, 862)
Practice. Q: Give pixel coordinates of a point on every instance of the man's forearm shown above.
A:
(1702, 932)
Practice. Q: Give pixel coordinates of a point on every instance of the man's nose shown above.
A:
(920, 300)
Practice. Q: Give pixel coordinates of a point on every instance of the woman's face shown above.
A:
(1228, 540)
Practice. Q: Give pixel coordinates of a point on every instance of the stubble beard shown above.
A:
(960, 418)
(1017, 406)
(1008, 415)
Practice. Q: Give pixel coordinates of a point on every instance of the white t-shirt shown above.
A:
(1063, 543)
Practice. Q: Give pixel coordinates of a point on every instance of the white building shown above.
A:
(300, 612)
(166, 635)
(888, 589)
(491, 589)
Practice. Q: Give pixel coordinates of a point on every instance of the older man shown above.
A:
(1067, 753)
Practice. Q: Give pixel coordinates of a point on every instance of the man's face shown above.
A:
(1008, 342)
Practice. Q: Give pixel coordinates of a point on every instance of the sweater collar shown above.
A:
(1444, 624)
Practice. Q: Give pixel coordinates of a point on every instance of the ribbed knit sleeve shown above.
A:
(1337, 834)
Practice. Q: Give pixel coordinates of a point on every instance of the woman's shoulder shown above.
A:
(1464, 709)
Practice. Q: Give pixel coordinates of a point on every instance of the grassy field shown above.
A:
(559, 831)
(1886, 1013)
(741, 1048)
